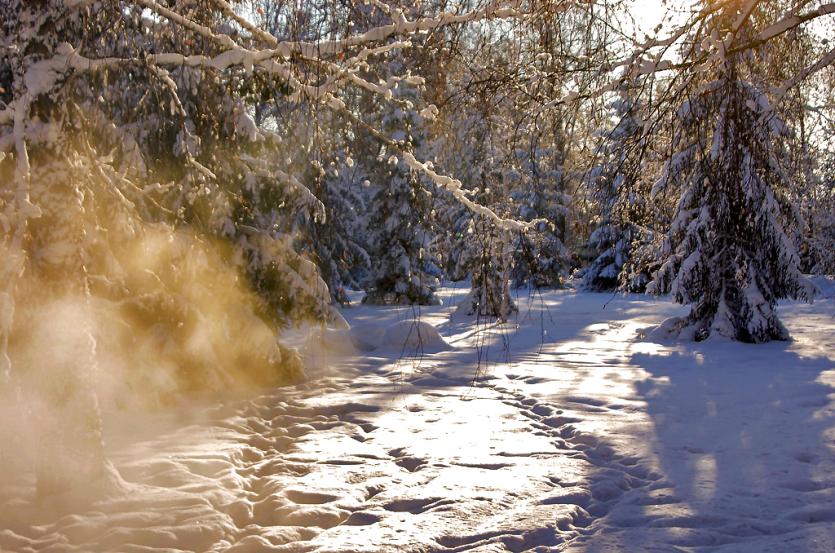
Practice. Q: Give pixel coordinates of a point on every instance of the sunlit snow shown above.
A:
(563, 431)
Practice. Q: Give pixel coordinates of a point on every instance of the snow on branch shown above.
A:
(254, 30)
(637, 63)
(45, 74)
(262, 169)
(789, 22)
(399, 26)
(222, 40)
(454, 187)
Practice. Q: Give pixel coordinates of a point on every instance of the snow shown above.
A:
(412, 335)
(560, 430)
(825, 286)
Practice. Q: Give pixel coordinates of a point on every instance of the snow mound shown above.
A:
(323, 348)
(334, 341)
(367, 337)
(413, 335)
(670, 330)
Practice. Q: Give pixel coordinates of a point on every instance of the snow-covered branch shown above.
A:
(454, 187)
(500, 9)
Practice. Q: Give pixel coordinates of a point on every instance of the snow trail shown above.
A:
(588, 441)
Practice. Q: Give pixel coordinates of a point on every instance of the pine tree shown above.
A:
(536, 187)
(614, 190)
(401, 211)
(730, 254)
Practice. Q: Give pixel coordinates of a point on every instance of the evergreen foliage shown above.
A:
(730, 252)
(614, 189)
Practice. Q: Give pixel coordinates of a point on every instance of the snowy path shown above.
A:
(587, 440)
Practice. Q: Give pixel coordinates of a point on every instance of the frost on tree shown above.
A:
(730, 255)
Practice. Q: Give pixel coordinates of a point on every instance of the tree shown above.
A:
(401, 211)
(730, 253)
(537, 191)
(614, 189)
(489, 294)
(339, 240)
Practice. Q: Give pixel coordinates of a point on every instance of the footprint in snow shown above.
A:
(806, 457)
(412, 464)
(362, 518)
(302, 497)
(408, 462)
(416, 506)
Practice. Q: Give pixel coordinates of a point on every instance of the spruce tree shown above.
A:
(613, 188)
(730, 255)
(490, 294)
(338, 240)
(401, 210)
(401, 240)
(536, 187)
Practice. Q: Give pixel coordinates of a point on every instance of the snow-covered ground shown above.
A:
(562, 431)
